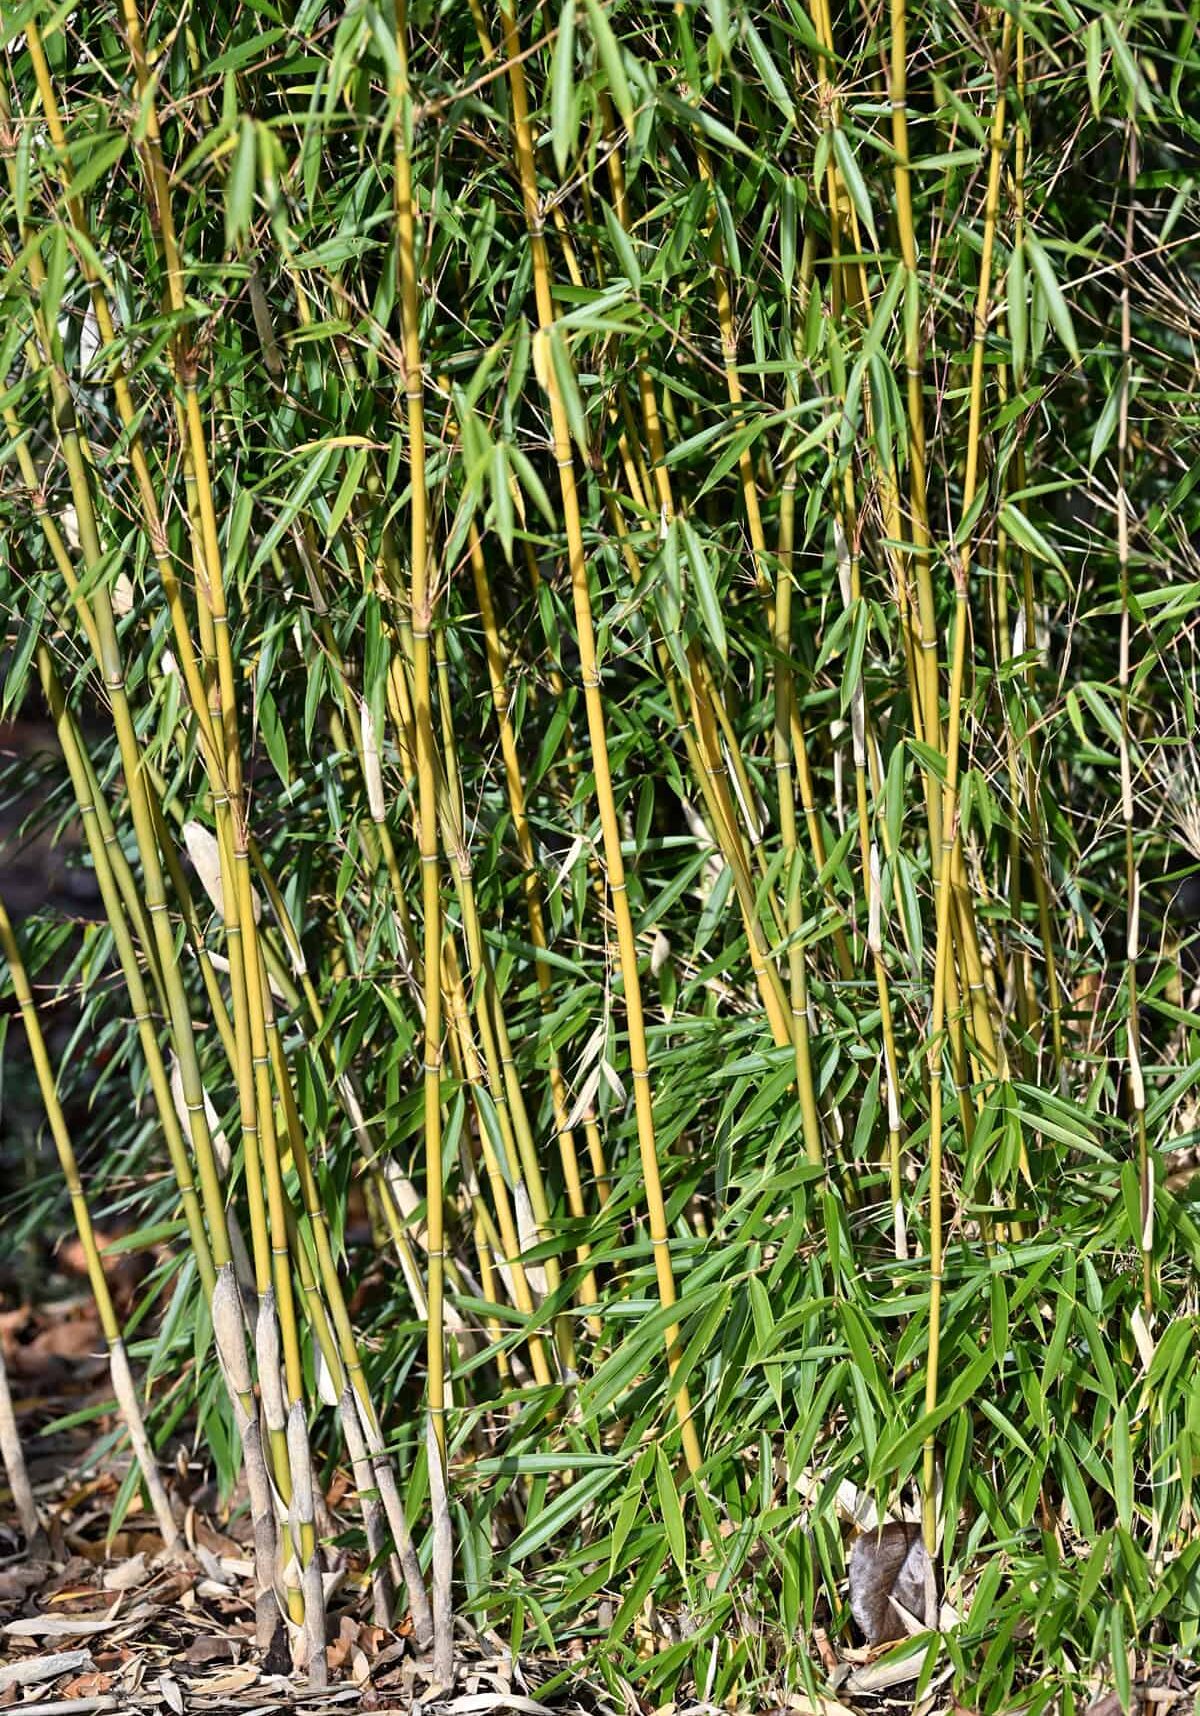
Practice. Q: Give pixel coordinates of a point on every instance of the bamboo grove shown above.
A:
(614, 587)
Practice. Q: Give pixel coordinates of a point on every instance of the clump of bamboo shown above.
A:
(118, 1360)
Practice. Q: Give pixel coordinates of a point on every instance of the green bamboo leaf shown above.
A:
(531, 483)
(672, 1512)
(1018, 310)
(545, 1525)
(502, 501)
(16, 676)
(568, 388)
(610, 58)
(55, 277)
(239, 186)
(776, 88)
(854, 181)
(718, 18)
(1106, 423)
(1056, 304)
(1134, 83)
(623, 246)
(347, 492)
(627, 1513)
(1027, 535)
(97, 164)
(1122, 1466)
(704, 585)
(788, 226)
(274, 737)
(1094, 50)
(564, 109)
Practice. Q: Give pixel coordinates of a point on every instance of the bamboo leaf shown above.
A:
(564, 111)
(853, 180)
(776, 88)
(1056, 303)
(705, 588)
(610, 58)
(672, 1513)
(240, 185)
(1027, 535)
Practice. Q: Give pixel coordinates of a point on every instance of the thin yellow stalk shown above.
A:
(532, 889)
(489, 1006)
(949, 832)
(703, 693)
(467, 1065)
(93, 818)
(706, 759)
(109, 663)
(263, 1175)
(590, 676)
(118, 1361)
(1137, 1087)
(1038, 848)
(421, 607)
(421, 611)
(1020, 965)
(155, 532)
(797, 972)
(482, 1077)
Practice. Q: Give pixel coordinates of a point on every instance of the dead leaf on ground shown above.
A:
(210, 1647)
(170, 1692)
(35, 1670)
(126, 1575)
(17, 1582)
(338, 1650)
(220, 1685)
(88, 1685)
(75, 1626)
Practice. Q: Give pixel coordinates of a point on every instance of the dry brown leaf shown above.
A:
(169, 1691)
(34, 1670)
(59, 1626)
(126, 1575)
(209, 1647)
(337, 1653)
(234, 1680)
(89, 1685)
(17, 1582)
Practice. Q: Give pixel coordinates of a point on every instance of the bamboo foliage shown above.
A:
(590, 573)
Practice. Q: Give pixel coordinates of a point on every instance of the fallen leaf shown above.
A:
(75, 1626)
(126, 1575)
(89, 1685)
(170, 1693)
(34, 1670)
(235, 1680)
(209, 1647)
(58, 1626)
(17, 1582)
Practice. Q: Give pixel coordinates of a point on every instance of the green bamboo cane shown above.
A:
(263, 1173)
(950, 830)
(421, 610)
(1137, 1086)
(532, 890)
(118, 1359)
(590, 676)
